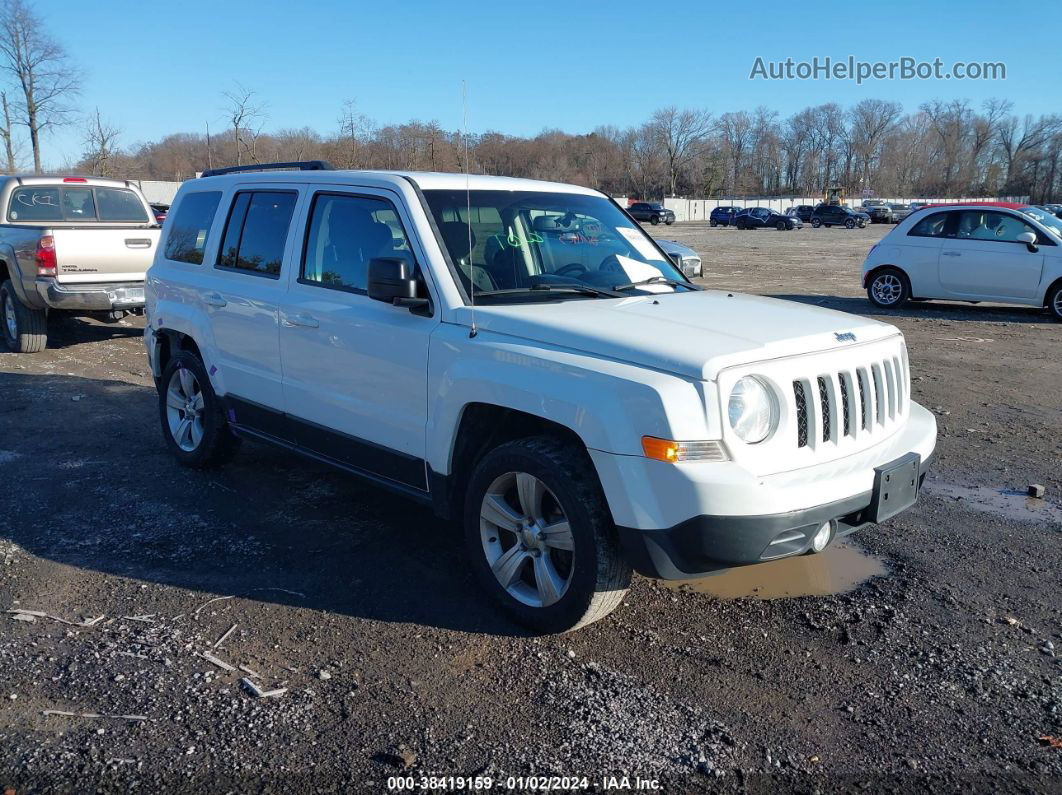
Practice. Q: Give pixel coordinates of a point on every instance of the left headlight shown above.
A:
(752, 410)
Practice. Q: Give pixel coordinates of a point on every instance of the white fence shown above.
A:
(700, 209)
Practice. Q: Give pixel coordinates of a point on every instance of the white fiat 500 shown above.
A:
(1003, 252)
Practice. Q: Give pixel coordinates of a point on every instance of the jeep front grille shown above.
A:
(873, 394)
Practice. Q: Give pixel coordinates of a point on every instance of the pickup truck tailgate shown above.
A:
(103, 254)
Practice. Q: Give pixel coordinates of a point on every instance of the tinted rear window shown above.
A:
(257, 231)
(54, 203)
(187, 231)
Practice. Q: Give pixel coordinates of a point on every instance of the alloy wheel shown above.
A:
(184, 409)
(887, 289)
(10, 321)
(527, 539)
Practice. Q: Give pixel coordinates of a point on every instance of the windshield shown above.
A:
(1048, 219)
(536, 243)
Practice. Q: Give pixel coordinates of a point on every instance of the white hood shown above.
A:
(693, 334)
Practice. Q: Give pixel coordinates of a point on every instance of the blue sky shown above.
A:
(156, 68)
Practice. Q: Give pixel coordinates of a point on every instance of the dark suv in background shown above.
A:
(838, 215)
(653, 212)
(723, 216)
(879, 211)
(801, 211)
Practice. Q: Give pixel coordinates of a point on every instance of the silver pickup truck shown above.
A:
(70, 244)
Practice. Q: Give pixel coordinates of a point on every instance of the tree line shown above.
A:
(941, 148)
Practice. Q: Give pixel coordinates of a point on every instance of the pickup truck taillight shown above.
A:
(45, 256)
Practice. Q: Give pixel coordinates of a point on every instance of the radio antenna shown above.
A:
(468, 208)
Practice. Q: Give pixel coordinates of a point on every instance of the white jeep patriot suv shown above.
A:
(524, 358)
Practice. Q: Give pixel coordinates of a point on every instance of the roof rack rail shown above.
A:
(299, 165)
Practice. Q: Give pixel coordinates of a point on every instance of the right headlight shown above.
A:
(752, 410)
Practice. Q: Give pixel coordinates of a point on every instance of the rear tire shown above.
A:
(1054, 301)
(536, 519)
(889, 289)
(192, 416)
(713, 223)
(25, 330)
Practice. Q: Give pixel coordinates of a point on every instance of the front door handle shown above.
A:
(301, 319)
(951, 253)
(213, 299)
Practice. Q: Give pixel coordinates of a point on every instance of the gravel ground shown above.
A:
(940, 676)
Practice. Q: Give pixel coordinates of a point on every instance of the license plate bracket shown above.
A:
(896, 487)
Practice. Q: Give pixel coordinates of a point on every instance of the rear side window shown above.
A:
(345, 233)
(930, 226)
(119, 205)
(187, 231)
(256, 232)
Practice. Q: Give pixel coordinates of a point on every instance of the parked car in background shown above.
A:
(900, 211)
(723, 216)
(838, 215)
(687, 260)
(993, 251)
(77, 245)
(653, 212)
(918, 205)
(595, 413)
(879, 211)
(758, 217)
(160, 210)
(801, 211)
(1056, 209)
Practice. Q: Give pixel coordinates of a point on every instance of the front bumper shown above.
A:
(105, 297)
(683, 520)
(705, 544)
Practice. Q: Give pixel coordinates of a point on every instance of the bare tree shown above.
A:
(41, 68)
(679, 133)
(246, 118)
(353, 127)
(101, 142)
(7, 134)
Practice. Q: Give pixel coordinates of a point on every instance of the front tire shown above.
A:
(889, 289)
(192, 416)
(25, 330)
(815, 223)
(782, 226)
(849, 224)
(654, 220)
(540, 535)
(669, 222)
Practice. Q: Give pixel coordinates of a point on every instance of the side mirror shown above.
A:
(391, 281)
(676, 259)
(1029, 239)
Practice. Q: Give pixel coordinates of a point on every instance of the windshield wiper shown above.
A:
(657, 280)
(581, 289)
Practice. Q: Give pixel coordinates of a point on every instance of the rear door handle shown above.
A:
(138, 242)
(951, 253)
(301, 319)
(213, 299)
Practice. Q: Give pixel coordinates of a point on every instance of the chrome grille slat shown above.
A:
(827, 409)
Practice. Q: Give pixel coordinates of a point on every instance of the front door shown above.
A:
(985, 259)
(355, 369)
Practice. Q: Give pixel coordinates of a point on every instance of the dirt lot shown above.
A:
(940, 675)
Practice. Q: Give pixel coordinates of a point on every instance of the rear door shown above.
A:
(242, 300)
(985, 259)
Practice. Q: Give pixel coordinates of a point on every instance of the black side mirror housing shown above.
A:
(391, 280)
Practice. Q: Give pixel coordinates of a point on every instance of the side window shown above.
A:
(187, 231)
(118, 204)
(930, 226)
(988, 225)
(256, 232)
(344, 234)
